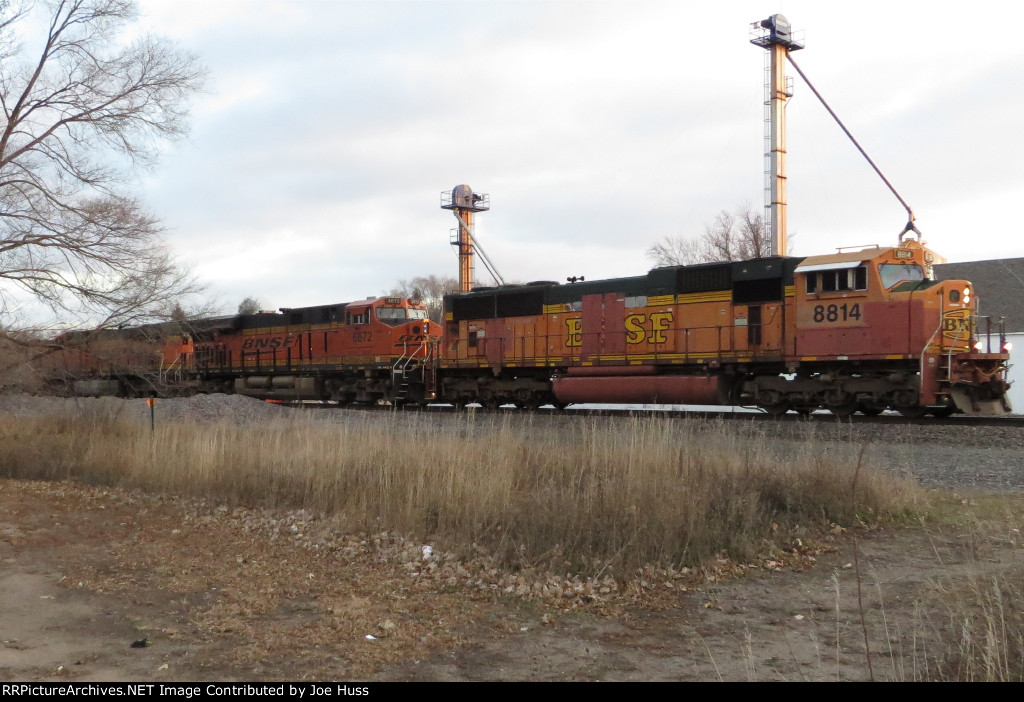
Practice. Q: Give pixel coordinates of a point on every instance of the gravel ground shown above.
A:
(200, 408)
(936, 454)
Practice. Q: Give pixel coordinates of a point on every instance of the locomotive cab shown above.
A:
(401, 323)
(902, 340)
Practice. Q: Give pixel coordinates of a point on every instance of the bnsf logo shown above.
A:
(269, 342)
(638, 327)
(956, 325)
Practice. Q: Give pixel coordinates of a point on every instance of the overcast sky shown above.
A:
(328, 130)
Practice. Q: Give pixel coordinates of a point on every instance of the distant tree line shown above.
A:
(733, 236)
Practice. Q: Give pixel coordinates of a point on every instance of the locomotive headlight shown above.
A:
(1008, 346)
(967, 296)
(979, 346)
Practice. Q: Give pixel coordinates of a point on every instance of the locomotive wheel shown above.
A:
(941, 412)
(868, 410)
(775, 410)
(844, 410)
(913, 411)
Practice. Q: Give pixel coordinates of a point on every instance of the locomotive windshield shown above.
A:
(893, 273)
(394, 316)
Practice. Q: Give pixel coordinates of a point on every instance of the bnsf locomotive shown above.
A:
(378, 349)
(371, 350)
(864, 331)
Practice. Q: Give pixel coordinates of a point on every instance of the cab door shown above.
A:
(359, 330)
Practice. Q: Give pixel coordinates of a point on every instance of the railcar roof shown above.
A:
(747, 281)
(846, 256)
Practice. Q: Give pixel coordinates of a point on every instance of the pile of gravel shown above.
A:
(199, 408)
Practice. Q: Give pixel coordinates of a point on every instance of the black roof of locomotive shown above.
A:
(318, 314)
(750, 281)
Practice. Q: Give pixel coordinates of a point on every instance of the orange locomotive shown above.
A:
(363, 351)
(107, 361)
(866, 330)
(367, 351)
(860, 331)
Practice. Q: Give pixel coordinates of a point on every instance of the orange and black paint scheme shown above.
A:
(367, 351)
(106, 361)
(857, 331)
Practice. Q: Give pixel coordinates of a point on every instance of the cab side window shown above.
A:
(841, 280)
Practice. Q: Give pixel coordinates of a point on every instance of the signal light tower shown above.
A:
(464, 203)
(776, 36)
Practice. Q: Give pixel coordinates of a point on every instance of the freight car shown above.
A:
(864, 330)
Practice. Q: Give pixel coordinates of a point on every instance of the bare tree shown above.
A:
(676, 251)
(83, 110)
(431, 289)
(737, 236)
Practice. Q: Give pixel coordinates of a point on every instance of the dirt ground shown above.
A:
(223, 593)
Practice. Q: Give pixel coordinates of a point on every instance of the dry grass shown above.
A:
(981, 629)
(970, 625)
(590, 497)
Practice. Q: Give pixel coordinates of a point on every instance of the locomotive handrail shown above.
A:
(920, 363)
(512, 349)
(408, 358)
(162, 373)
(949, 355)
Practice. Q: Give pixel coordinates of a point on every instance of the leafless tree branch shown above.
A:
(82, 112)
(733, 236)
(431, 289)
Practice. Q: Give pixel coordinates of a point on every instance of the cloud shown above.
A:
(329, 129)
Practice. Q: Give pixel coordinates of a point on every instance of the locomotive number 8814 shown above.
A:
(865, 330)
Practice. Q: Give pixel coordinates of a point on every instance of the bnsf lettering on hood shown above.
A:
(269, 342)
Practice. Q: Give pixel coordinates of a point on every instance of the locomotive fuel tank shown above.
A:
(646, 388)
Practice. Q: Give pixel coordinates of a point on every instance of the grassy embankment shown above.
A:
(619, 492)
(602, 495)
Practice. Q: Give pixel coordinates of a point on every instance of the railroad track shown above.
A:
(730, 414)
